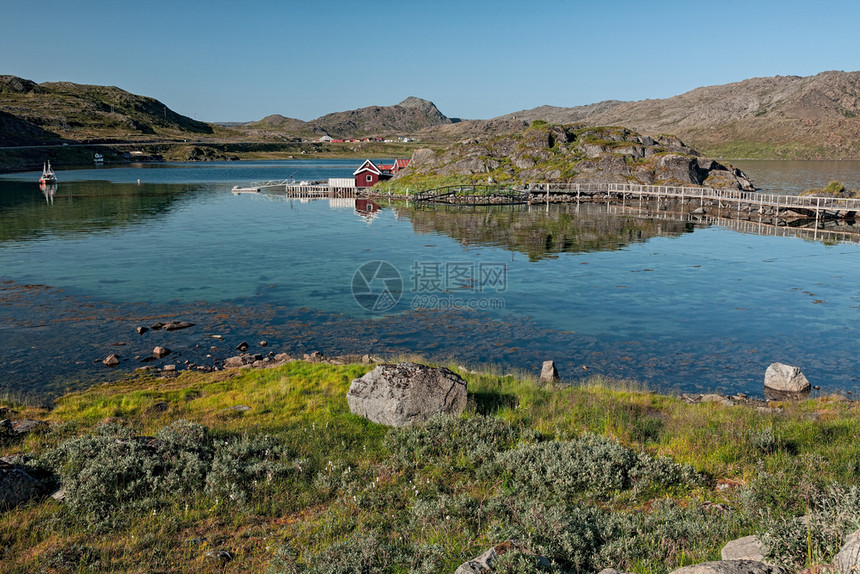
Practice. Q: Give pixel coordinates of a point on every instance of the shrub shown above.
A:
(832, 513)
(185, 449)
(834, 188)
(765, 440)
(464, 443)
(72, 558)
(569, 536)
(516, 562)
(242, 465)
(114, 470)
(590, 464)
(367, 553)
(105, 472)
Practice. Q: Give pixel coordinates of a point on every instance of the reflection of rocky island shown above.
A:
(540, 233)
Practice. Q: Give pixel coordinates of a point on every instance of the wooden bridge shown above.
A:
(797, 206)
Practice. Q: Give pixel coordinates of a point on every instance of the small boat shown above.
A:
(47, 173)
(239, 189)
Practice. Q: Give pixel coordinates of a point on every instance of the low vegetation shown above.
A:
(268, 471)
(569, 153)
(833, 189)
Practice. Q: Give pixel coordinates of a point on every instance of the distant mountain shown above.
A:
(407, 117)
(277, 125)
(778, 117)
(34, 113)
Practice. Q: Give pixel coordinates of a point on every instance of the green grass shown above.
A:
(356, 500)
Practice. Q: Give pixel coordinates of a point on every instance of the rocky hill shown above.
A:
(811, 117)
(33, 113)
(407, 117)
(278, 126)
(571, 153)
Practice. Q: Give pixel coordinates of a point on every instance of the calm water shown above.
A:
(793, 177)
(677, 305)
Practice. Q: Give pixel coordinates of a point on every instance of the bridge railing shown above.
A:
(812, 203)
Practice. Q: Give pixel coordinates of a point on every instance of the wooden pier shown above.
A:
(305, 189)
(833, 231)
(786, 206)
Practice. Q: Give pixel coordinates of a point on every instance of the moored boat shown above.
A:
(48, 175)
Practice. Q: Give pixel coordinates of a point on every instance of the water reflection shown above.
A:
(672, 299)
(82, 207)
(538, 233)
(794, 177)
(48, 190)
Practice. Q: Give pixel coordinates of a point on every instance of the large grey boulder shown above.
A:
(548, 372)
(785, 378)
(16, 486)
(731, 567)
(406, 394)
(746, 548)
(848, 559)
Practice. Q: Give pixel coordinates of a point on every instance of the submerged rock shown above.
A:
(406, 394)
(176, 325)
(159, 352)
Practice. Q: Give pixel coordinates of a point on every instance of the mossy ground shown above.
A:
(355, 498)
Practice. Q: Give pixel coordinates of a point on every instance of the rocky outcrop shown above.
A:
(406, 394)
(746, 548)
(731, 567)
(785, 378)
(16, 486)
(576, 154)
(847, 561)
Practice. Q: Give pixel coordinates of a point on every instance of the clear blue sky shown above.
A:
(217, 60)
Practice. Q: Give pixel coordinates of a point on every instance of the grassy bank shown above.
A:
(591, 475)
